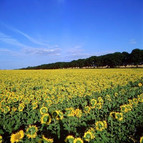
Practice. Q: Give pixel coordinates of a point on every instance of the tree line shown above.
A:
(109, 60)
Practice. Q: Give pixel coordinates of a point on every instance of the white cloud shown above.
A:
(132, 41)
(42, 51)
(26, 49)
(31, 39)
(9, 40)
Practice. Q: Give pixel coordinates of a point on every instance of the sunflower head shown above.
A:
(78, 113)
(58, 115)
(78, 140)
(21, 107)
(46, 119)
(6, 109)
(17, 136)
(31, 131)
(112, 114)
(93, 103)
(99, 105)
(34, 106)
(140, 84)
(87, 109)
(119, 116)
(43, 110)
(46, 140)
(88, 136)
(99, 125)
(69, 139)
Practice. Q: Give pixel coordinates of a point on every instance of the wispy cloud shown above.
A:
(26, 49)
(27, 36)
(31, 39)
(12, 41)
(132, 41)
(42, 51)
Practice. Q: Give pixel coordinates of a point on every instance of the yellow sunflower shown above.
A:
(140, 84)
(43, 110)
(69, 139)
(88, 136)
(21, 107)
(78, 140)
(34, 105)
(58, 115)
(17, 136)
(87, 109)
(46, 119)
(112, 114)
(31, 131)
(119, 116)
(99, 105)
(99, 125)
(93, 103)
(6, 109)
(78, 113)
(46, 140)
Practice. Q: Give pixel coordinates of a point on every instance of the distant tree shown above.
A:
(125, 58)
(136, 56)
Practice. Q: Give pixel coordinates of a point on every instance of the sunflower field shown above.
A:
(71, 106)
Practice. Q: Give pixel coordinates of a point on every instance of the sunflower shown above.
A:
(31, 131)
(119, 116)
(46, 140)
(34, 105)
(135, 101)
(6, 109)
(58, 115)
(100, 100)
(69, 139)
(88, 136)
(78, 140)
(112, 114)
(87, 109)
(0, 139)
(99, 125)
(21, 107)
(31, 97)
(140, 84)
(46, 119)
(93, 103)
(141, 139)
(99, 105)
(78, 113)
(43, 110)
(116, 94)
(17, 136)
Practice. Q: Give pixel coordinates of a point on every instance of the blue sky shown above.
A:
(34, 32)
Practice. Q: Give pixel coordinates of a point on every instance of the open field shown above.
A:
(71, 105)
